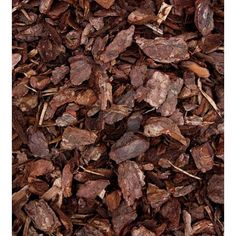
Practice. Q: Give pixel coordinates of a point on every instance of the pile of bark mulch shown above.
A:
(118, 112)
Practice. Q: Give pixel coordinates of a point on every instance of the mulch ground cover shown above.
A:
(118, 110)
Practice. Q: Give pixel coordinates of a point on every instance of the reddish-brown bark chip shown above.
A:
(92, 189)
(75, 137)
(169, 106)
(45, 6)
(66, 181)
(156, 126)
(138, 75)
(37, 143)
(42, 216)
(131, 181)
(105, 3)
(80, 69)
(120, 110)
(88, 230)
(41, 167)
(215, 188)
(204, 17)
(16, 57)
(142, 231)
(164, 50)
(122, 217)
(127, 147)
(119, 44)
(62, 97)
(113, 200)
(157, 89)
(156, 196)
(86, 98)
(141, 17)
(171, 211)
(118, 117)
(59, 74)
(203, 157)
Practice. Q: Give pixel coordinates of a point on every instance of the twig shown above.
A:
(208, 98)
(91, 172)
(183, 171)
(30, 88)
(45, 107)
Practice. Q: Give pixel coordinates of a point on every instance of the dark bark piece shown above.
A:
(204, 17)
(41, 167)
(164, 50)
(92, 189)
(119, 44)
(57, 10)
(156, 126)
(169, 106)
(142, 231)
(122, 217)
(171, 211)
(134, 121)
(62, 97)
(203, 157)
(157, 89)
(66, 180)
(75, 137)
(131, 181)
(42, 216)
(105, 3)
(59, 74)
(72, 39)
(88, 230)
(156, 196)
(37, 143)
(215, 189)
(120, 110)
(49, 50)
(80, 69)
(127, 147)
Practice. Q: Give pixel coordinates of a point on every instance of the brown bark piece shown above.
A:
(164, 50)
(122, 41)
(203, 157)
(142, 231)
(156, 126)
(157, 89)
(171, 211)
(203, 17)
(75, 137)
(91, 189)
(131, 181)
(105, 3)
(113, 200)
(37, 143)
(127, 147)
(122, 217)
(215, 189)
(42, 216)
(66, 180)
(41, 167)
(156, 196)
(80, 69)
